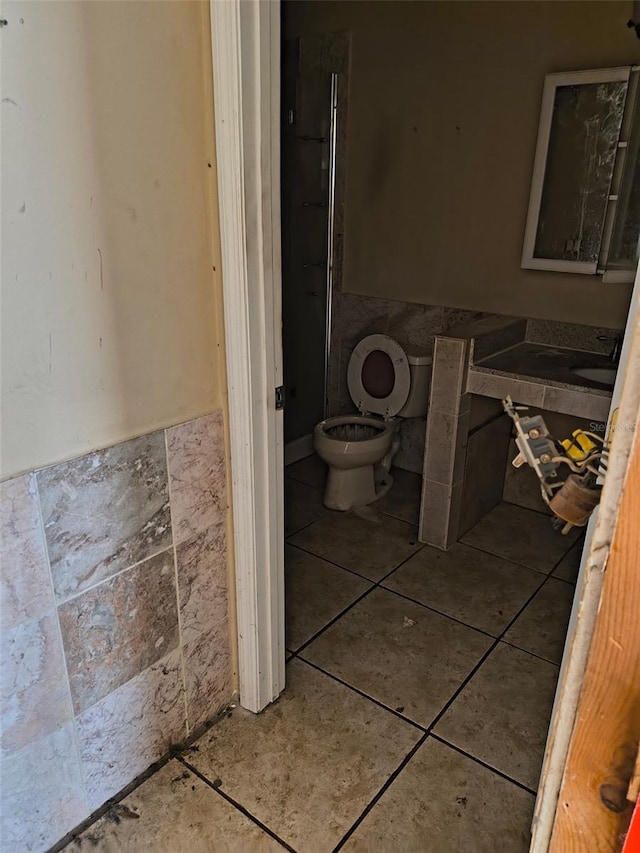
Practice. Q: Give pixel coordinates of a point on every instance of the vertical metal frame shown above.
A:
(331, 201)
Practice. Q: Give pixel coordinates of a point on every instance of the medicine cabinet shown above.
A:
(584, 208)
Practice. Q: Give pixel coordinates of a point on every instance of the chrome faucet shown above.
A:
(614, 355)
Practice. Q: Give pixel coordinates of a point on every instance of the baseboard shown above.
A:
(298, 449)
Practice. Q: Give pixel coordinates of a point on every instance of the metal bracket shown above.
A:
(279, 397)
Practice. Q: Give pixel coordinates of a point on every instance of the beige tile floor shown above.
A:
(419, 691)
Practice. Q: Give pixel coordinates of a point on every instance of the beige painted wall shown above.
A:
(111, 309)
(443, 114)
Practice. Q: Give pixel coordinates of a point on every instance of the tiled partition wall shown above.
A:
(114, 621)
(354, 317)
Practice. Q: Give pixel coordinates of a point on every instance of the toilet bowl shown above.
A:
(352, 445)
(386, 382)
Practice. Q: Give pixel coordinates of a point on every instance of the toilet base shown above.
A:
(347, 488)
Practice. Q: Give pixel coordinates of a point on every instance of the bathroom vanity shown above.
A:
(468, 437)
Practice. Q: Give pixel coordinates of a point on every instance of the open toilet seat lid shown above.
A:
(363, 395)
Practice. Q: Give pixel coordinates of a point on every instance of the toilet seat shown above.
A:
(391, 375)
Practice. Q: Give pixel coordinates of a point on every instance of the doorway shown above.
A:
(263, 507)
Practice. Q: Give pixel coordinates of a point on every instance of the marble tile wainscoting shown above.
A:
(114, 622)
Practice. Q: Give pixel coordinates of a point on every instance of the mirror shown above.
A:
(624, 248)
(585, 187)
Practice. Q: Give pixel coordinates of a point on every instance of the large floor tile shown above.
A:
(477, 588)
(403, 498)
(521, 535)
(542, 627)
(308, 765)
(302, 505)
(444, 802)
(310, 470)
(316, 592)
(174, 812)
(502, 715)
(568, 568)
(371, 546)
(400, 653)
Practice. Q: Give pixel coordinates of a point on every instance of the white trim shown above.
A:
(626, 398)
(551, 83)
(246, 56)
(298, 449)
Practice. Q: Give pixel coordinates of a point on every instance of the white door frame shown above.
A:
(245, 36)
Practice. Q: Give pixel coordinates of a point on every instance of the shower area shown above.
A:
(313, 132)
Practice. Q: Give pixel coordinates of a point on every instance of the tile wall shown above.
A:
(412, 324)
(114, 624)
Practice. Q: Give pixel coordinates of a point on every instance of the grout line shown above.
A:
(483, 763)
(300, 529)
(533, 654)
(372, 803)
(543, 572)
(544, 578)
(287, 476)
(374, 585)
(429, 731)
(72, 838)
(538, 511)
(419, 547)
(439, 612)
(364, 695)
(485, 656)
(333, 621)
(563, 580)
(380, 584)
(172, 753)
(115, 574)
(236, 804)
(331, 562)
(399, 518)
(183, 668)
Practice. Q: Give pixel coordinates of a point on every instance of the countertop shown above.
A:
(546, 365)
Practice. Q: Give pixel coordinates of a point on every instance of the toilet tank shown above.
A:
(420, 363)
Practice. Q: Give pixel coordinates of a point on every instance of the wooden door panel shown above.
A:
(593, 812)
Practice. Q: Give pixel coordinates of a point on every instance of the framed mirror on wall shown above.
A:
(584, 207)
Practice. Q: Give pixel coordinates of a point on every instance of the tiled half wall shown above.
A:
(415, 325)
(114, 621)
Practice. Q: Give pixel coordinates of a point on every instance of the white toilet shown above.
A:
(386, 382)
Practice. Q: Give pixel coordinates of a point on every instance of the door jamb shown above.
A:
(626, 401)
(245, 39)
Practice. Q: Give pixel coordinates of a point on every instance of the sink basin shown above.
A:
(603, 375)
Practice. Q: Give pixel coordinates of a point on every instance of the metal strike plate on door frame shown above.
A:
(279, 397)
